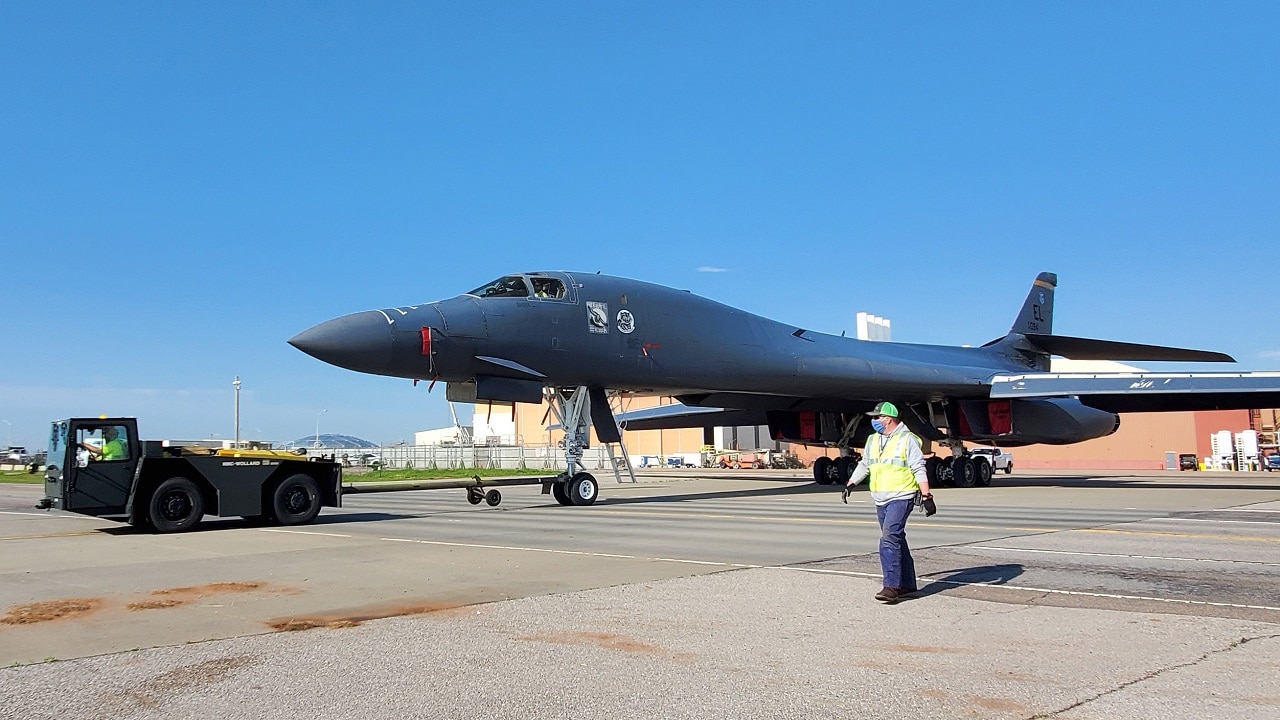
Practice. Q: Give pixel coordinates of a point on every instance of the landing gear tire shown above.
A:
(982, 469)
(931, 467)
(492, 498)
(296, 501)
(845, 466)
(582, 489)
(945, 475)
(176, 506)
(963, 472)
(560, 494)
(473, 496)
(826, 471)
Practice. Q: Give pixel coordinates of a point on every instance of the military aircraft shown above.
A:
(571, 337)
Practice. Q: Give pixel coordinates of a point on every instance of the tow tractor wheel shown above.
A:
(559, 493)
(582, 489)
(493, 497)
(176, 506)
(825, 471)
(963, 472)
(296, 501)
(473, 496)
(983, 470)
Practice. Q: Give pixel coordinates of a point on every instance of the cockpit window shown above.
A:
(546, 287)
(509, 286)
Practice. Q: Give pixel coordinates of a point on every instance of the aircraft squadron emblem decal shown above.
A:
(598, 317)
(626, 322)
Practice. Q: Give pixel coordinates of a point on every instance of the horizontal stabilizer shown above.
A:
(1077, 348)
(1147, 392)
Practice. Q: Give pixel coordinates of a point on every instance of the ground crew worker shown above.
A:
(895, 462)
(112, 446)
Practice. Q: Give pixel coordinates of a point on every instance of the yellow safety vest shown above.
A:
(887, 459)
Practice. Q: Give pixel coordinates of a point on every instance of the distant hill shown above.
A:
(333, 440)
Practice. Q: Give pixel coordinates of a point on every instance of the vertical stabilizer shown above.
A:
(1036, 316)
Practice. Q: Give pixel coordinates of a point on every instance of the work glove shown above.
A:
(844, 496)
(926, 502)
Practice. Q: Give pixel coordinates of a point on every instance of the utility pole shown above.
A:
(236, 446)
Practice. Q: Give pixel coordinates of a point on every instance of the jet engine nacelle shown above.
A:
(1057, 421)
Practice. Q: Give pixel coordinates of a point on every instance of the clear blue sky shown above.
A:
(184, 186)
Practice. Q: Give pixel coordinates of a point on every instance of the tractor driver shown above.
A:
(113, 447)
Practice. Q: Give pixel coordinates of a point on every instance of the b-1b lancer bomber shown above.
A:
(571, 337)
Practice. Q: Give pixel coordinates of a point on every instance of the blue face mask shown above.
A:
(877, 425)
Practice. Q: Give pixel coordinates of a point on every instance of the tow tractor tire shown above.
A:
(296, 501)
(560, 494)
(175, 506)
(493, 497)
(582, 489)
(963, 472)
(982, 471)
(825, 471)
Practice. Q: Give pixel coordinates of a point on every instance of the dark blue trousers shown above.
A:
(895, 557)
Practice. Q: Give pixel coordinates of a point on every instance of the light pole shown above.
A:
(236, 383)
(317, 441)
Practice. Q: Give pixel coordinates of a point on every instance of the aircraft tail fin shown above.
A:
(1036, 316)
(1032, 337)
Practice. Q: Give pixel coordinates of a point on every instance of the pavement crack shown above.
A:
(1154, 674)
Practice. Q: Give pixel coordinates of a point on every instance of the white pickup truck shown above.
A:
(999, 459)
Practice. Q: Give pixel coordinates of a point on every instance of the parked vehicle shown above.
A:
(1188, 461)
(1271, 462)
(999, 459)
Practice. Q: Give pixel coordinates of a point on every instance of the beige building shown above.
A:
(1139, 444)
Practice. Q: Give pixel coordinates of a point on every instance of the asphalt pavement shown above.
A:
(726, 594)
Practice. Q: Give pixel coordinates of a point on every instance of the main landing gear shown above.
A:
(574, 486)
(959, 470)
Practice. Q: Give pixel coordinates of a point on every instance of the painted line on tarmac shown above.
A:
(1212, 520)
(1199, 536)
(48, 515)
(1120, 555)
(835, 521)
(553, 551)
(1002, 586)
(303, 532)
(72, 533)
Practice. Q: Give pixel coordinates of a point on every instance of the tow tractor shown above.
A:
(99, 467)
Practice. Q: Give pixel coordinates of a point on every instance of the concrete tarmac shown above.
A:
(689, 594)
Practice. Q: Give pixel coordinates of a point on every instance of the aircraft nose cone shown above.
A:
(360, 341)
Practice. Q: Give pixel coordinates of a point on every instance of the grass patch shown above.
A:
(22, 476)
(431, 474)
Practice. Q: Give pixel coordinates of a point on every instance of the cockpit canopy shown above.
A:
(518, 286)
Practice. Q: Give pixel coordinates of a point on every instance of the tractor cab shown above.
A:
(91, 464)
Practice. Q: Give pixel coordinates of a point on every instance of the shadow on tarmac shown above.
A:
(985, 574)
(808, 487)
(1118, 481)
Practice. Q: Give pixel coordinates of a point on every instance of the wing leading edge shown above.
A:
(1147, 392)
